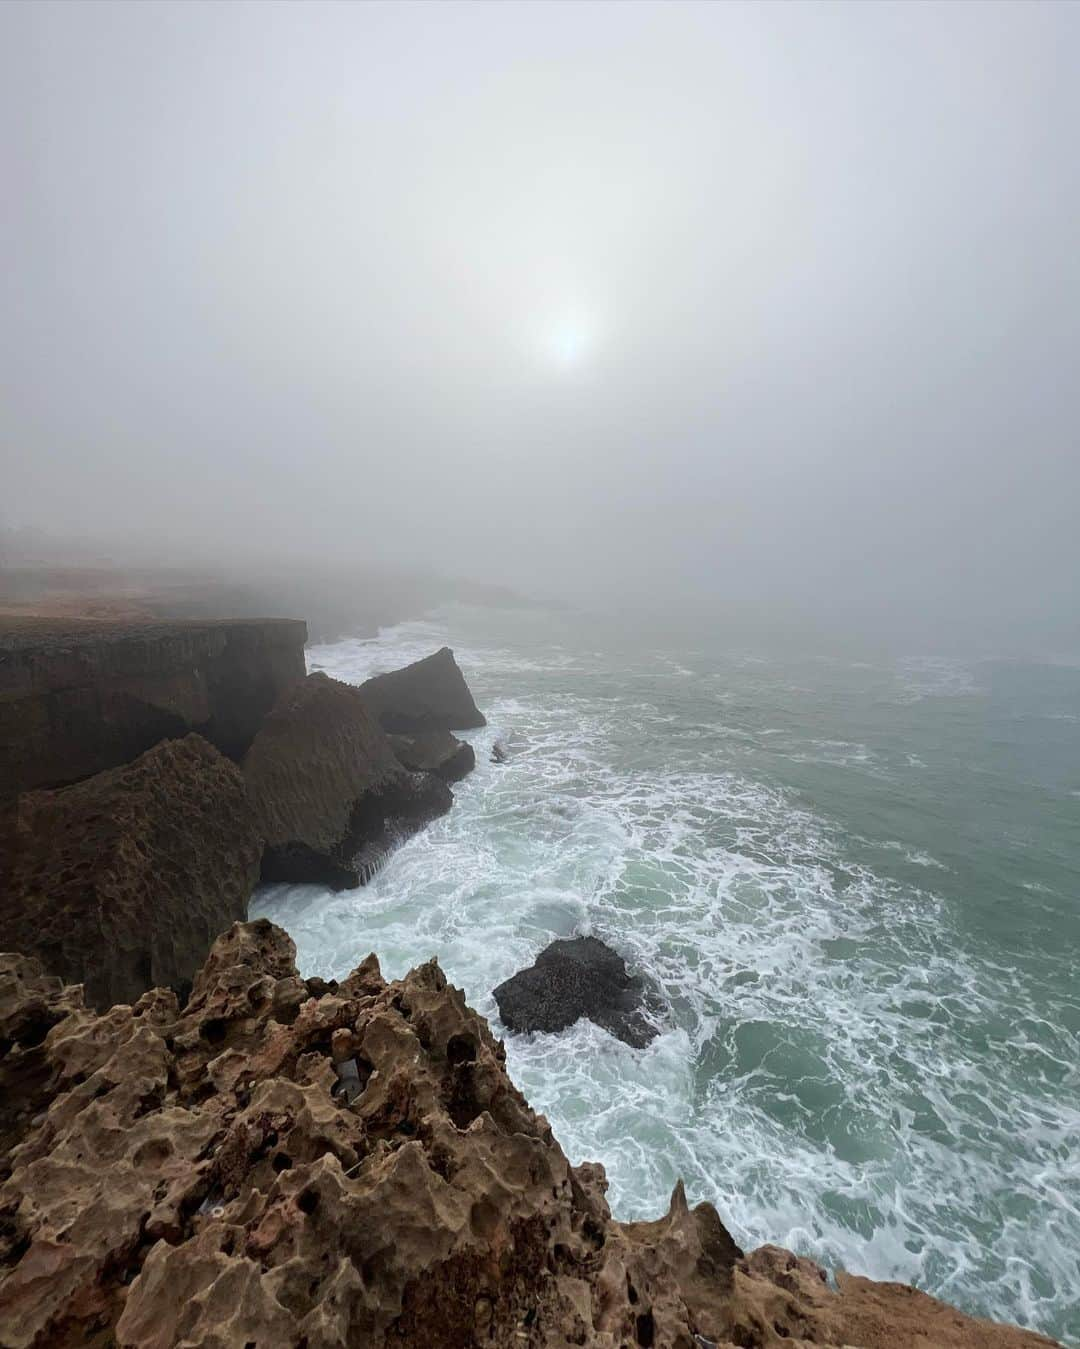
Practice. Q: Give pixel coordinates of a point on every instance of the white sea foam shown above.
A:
(840, 1074)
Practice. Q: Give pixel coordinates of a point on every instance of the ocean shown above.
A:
(857, 883)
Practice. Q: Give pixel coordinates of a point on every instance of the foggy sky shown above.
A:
(713, 308)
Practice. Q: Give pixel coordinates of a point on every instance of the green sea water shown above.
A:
(857, 882)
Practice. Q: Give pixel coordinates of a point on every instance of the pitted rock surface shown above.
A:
(290, 1162)
(122, 882)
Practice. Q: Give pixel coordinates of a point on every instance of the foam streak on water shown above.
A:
(851, 1068)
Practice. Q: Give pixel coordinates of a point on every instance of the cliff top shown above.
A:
(25, 631)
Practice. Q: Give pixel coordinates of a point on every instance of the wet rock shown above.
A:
(436, 752)
(499, 752)
(579, 978)
(429, 695)
(121, 882)
(328, 793)
(202, 1178)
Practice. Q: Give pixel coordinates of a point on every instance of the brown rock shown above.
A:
(202, 1179)
(328, 793)
(429, 695)
(436, 752)
(80, 697)
(123, 881)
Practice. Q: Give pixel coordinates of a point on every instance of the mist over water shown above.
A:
(855, 883)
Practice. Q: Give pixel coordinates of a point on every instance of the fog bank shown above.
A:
(764, 313)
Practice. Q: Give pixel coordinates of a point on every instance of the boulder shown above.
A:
(77, 697)
(436, 752)
(429, 695)
(123, 881)
(286, 1162)
(578, 978)
(328, 793)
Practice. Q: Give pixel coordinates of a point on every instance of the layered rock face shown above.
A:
(300, 1163)
(578, 978)
(429, 695)
(436, 752)
(123, 881)
(327, 790)
(79, 697)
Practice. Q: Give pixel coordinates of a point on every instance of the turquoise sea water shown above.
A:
(858, 883)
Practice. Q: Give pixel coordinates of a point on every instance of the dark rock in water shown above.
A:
(80, 697)
(576, 978)
(122, 882)
(328, 792)
(436, 752)
(429, 695)
(499, 752)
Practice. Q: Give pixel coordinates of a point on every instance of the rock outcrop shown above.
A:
(436, 752)
(328, 793)
(79, 697)
(575, 978)
(429, 695)
(123, 881)
(289, 1163)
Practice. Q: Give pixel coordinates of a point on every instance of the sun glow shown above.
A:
(567, 340)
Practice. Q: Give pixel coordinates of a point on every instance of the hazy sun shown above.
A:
(568, 340)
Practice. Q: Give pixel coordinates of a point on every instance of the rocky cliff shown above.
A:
(428, 695)
(123, 881)
(328, 792)
(79, 697)
(291, 1163)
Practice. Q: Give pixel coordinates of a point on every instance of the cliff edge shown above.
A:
(291, 1162)
(77, 697)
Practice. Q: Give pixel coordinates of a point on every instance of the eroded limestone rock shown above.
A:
(122, 882)
(201, 1178)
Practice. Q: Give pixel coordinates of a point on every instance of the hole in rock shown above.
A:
(308, 1202)
(646, 1330)
(461, 1049)
(282, 1161)
(213, 1030)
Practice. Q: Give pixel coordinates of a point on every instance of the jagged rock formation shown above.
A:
(123, 881)
(289, 1163)
(80, 697)
(580, 977)
(328, 793)
(429, 695)
(436, 752)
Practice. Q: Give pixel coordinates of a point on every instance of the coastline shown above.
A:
(237, 1051)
